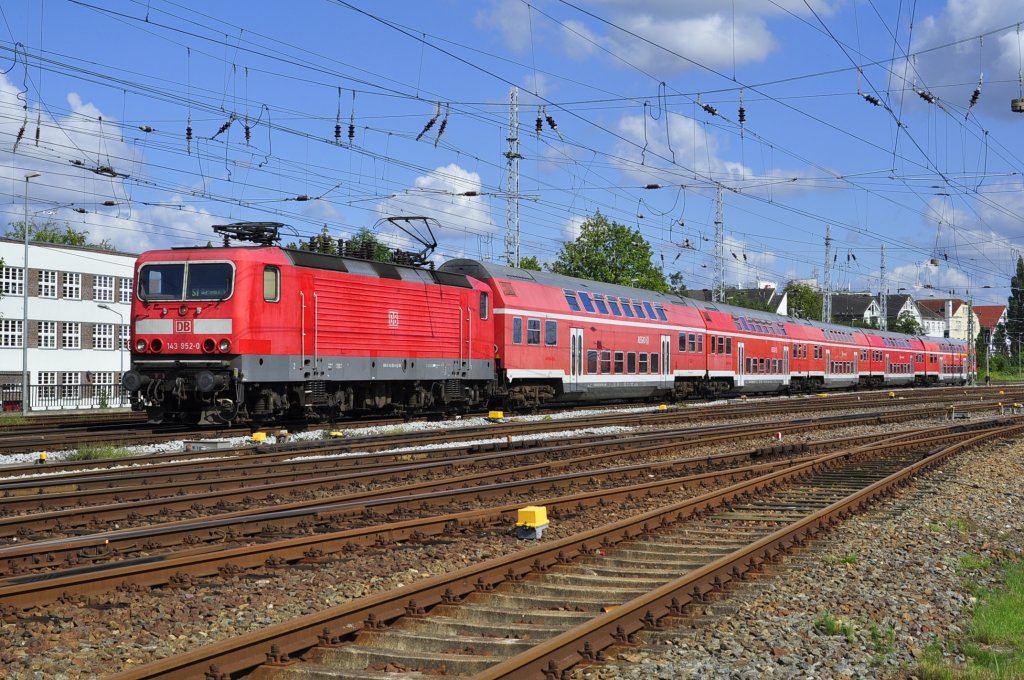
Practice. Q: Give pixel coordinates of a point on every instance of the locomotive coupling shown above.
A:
(134, 381)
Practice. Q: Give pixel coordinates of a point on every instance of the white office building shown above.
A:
(78, 308)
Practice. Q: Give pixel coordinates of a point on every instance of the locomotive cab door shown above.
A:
(740, 360)
(575, 358)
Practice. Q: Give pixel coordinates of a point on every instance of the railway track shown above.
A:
(585, 593)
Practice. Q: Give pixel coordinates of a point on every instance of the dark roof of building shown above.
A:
(939, 306)
(750, 298)
(850, 305)
(927, 314)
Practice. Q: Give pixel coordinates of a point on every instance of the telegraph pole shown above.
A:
(718, 283)
(826, 297)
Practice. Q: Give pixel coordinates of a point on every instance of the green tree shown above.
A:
(530, 262)
(51, 232)
(612, 253)
(803, 301)
(365, 244)
(1015, 304)
(676, 285)
(981, 351)
(999, 340)
(906, 323)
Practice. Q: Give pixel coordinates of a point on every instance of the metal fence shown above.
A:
(64, 397)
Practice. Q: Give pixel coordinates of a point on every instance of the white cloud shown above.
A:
(441, 195)
(704, 31)
(572, 228)
(511, 18)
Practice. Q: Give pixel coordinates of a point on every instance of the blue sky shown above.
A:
(642, 94)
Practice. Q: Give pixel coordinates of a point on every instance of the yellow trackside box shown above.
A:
(495, 415)
(259, 436)
(532, 516)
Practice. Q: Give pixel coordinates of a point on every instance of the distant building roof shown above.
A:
(928, 314)
(939, 306)
(850, 305)
(989, 315)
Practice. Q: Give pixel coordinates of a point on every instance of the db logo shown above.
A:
(182, 326)
(393, 318)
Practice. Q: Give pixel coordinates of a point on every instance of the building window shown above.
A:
(47, 384)
(12, 281)
(71, 336)
(48, 283)
(103, 336)
(126, 290)
(103, 289)
(124, 337)
(48, 335)
(10, 333)
(70, 386)
(72, 286)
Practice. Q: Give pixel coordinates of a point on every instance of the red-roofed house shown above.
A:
(955, 314)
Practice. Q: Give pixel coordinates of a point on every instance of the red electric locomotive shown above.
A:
(263, 332)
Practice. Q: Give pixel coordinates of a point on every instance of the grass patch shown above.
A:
(830, 625)
(848, 558)
(961, 524)
(971, 562)
(11, 420)
(993, 647)
(99, 453)
(883, 639)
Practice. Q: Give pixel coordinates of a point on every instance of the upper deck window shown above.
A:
(614, 306)
(601, 306)
(625, 307)
(588, 304)
(186, 281)
(570, 298)
(650, 310)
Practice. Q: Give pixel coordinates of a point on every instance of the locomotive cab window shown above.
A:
(271, 284)
(186, 281)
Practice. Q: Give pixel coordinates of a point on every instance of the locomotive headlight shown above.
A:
(209, 345)
(140, 345)
(224, 345)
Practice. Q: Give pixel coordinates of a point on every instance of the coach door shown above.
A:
(942, 372)
(828, 364)
(575, 357)
(666, 357)
(785, 365)
(740, 360)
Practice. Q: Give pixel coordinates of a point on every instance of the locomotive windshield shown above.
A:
(186, 281)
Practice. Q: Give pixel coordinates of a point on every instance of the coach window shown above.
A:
(485, 305)
(631, 362)
(619, 356)
(271, 284)
(721, 345)
(517, 330)
(655, 363)
(550, 332)
(614, 307)
(728, 345)
(601, 306)
(591, 361)
(606, 361)
(693, 342)
(588, 304)
(682, 342)
(625, 307)
(570, 298)
(533, 331)
(700, 343)
(643, 362)
(712, 345)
